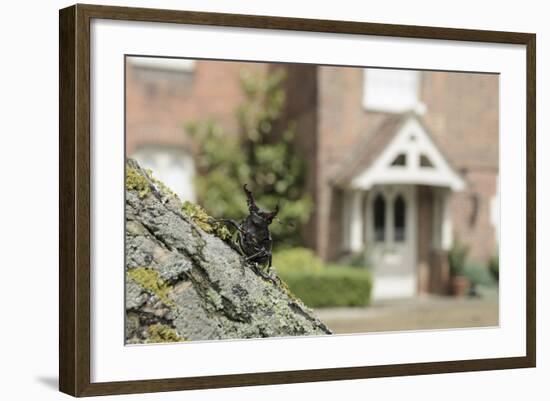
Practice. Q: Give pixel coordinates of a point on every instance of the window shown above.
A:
(399, 218)
(425, 161)
(400, 160)
(379, 218)
(393, 91)
(162, 76)
(163, 64)
(174, 167)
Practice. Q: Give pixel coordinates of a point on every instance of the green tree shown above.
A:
(262, 154)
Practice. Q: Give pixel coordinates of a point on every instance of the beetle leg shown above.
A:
(230, 222)
(261, 252)
(235, 246)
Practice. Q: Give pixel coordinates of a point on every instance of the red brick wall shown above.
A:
(471, 214)
(160, 103)
(463, 117)
(301, 109)
(462, 114)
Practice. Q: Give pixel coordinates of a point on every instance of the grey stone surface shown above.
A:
(202, 288)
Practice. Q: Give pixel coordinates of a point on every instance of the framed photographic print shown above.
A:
(250, 200)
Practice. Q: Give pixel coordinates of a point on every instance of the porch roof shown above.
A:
(398, 135)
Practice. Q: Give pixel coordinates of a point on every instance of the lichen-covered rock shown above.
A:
(185, 284)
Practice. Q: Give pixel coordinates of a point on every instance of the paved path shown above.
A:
(420, 313)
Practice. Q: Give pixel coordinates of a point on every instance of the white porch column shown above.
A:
(447, 222)
(437, 221)
(356, 222)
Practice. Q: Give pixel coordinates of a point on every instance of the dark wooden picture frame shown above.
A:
(74, 199)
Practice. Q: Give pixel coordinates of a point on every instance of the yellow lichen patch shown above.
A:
(137, 182)
(204, 221)
(161, 333)
(150, 280)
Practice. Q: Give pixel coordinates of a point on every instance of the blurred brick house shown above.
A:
(399, 162)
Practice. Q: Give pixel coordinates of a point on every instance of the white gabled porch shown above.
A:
(397, 209)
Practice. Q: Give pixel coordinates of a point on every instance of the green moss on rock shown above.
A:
(137, 182)
(205, 221)
(150, 280)
(161, 333)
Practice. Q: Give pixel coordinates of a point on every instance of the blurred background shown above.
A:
(387, 179)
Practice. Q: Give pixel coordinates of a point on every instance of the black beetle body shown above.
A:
(253, 236)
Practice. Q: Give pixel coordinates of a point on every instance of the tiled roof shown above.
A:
(367, 151)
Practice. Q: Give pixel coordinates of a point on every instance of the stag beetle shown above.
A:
(253, 237)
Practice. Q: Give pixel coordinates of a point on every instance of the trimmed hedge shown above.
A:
(331, 286)
(297, 259)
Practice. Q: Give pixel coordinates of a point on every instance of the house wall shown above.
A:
(466, 127)
(343, 124)
(159, 103)
(461, 114)
(471, 214)
(301, 110)
(338, 131)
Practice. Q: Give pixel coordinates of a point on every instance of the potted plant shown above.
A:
(459, 283)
